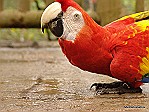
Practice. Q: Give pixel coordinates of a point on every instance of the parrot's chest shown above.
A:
(91, 60)
(88, 57)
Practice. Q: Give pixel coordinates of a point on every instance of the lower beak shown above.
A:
(55, 25)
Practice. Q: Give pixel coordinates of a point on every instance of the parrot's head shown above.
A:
(80, 37)
(65, 19)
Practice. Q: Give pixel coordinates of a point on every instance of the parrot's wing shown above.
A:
(131, 53)
(127, 20)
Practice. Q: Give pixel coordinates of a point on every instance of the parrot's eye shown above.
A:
(77, 15)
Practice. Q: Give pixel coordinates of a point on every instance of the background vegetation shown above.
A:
(34, 34)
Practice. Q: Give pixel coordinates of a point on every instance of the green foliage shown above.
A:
(21, 34)
(35, 34)
(129, 6)
(10, 4)
(41, 5)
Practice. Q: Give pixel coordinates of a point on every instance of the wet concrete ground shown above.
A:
(42, 80)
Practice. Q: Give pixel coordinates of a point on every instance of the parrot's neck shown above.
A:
(88, 51)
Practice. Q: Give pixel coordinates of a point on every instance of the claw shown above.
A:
(114, 88)
(97, 86)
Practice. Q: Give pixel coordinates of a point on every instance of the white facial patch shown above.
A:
(72, 22)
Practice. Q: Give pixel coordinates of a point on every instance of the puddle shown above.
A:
(49, 86)
(51, 89)
(44, 87)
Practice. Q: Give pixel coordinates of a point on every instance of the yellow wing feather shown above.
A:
(144, 66)
(137, 16)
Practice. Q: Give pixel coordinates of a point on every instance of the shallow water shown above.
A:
(35, 80)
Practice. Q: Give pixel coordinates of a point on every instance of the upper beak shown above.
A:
(52, 19)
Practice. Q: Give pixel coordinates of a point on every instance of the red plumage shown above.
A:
(115, 50)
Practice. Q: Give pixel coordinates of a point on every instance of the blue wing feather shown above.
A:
(145, 80)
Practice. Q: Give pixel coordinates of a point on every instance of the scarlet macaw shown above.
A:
(119, 49)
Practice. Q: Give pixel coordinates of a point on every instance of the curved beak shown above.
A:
(52, 19)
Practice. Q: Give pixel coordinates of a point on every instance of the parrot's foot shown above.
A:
(115, 88)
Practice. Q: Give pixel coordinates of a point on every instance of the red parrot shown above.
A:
(119, 49)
